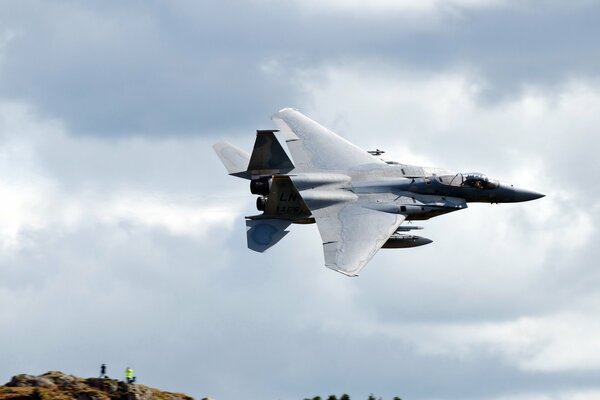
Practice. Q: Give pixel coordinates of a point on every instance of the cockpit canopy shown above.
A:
(474, 180)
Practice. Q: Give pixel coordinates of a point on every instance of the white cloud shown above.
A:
(176, 216)
(35, 198)
(560, 342)
(576, 394)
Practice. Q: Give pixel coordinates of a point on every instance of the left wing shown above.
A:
(352, 234)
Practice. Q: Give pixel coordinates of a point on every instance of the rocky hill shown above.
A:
(56, 385)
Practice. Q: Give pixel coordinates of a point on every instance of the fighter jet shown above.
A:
(357, 199)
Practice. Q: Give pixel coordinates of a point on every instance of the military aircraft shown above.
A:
(357, 200)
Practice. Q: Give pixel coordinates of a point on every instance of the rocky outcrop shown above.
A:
(55, 385)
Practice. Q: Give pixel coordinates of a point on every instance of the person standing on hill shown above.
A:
(129, 375)
(103, 371)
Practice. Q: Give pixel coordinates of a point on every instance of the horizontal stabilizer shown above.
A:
(264, 233)
(234, 159)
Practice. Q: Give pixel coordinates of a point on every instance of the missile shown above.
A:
(407, 228)
(397, 241)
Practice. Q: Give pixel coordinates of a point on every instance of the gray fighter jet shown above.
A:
(357, 200)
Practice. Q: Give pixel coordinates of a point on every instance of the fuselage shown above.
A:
(418, 193)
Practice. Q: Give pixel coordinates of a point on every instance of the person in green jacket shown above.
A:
(129, 375)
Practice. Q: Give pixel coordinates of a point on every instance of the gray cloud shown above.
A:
(199, 68)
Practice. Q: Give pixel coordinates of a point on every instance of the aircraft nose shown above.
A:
(527, 195)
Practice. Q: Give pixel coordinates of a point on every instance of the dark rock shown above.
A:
(105, 384)
(55, 384)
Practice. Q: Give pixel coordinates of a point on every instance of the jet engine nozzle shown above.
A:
(261, 203)
(260, 186)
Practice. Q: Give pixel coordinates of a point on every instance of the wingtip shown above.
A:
(347, 273)
(284, 111)
(218, 145)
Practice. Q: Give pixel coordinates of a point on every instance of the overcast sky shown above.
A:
(122, 239)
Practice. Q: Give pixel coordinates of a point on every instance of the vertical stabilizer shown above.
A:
(284, 201)
(268, 157)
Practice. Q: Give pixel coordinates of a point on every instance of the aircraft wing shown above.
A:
(314, 147)
(352, 234)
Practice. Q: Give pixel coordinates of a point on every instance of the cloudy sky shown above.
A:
(122, 239)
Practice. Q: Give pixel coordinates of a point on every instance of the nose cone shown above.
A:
(506, 193)
(526, 195)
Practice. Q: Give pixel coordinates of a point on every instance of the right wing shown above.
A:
(352, 234)
(314, 147)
